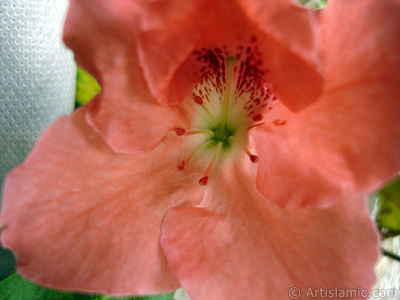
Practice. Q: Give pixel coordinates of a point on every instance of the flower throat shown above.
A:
(231, 97)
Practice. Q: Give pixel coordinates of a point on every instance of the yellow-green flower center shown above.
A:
(231, 97)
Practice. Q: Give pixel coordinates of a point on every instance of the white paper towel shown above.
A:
(37, 80)
(37, 77)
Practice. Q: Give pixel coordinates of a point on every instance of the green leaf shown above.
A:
(7, 262)
(388, 215)
(15, 287)
(169, 296)
(315, 4)
(86, 87)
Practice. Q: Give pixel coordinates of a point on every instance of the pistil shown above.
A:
(230, 61)
(204, 179)
(252, 157)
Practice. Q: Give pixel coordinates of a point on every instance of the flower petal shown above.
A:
(129, 62)
(237, 245)
(131, 123)
(290, 24)
(360, 42)
(169, 34)
(173, 72)
(293, 172)
(295, 78)
(102, 35)
(348, 140)
(80, 216)
(104, 40)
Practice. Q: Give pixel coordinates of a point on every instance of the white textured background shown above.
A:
(388, 271)
(37, 79)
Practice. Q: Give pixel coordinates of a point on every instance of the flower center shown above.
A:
(230, 98)
(222, 134)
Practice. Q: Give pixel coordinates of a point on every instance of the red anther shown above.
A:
(198, 100)
(253, 158)
(180, 131)
(257, 118)
(182, 166)
(203, 181)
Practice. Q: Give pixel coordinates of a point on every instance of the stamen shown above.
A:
(204, 179)
(230, 61)
(205, 144)
(182, 166)
(200, 102)
(252, 157)
(199, 131)
(181, 131)
(231, 85)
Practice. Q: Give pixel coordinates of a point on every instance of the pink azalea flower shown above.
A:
(267, 105)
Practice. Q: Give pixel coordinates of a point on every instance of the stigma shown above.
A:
(230, 98)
